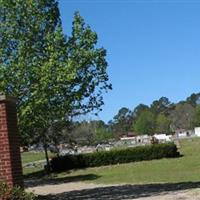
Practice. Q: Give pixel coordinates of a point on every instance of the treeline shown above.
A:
(82, 133)
(162, 116)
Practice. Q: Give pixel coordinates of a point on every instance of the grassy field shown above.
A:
(183, 169)
(28, 157)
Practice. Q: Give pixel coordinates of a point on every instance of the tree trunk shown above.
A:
(56, 146)
(47, 157)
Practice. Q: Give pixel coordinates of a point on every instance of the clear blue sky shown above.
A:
(153, 47)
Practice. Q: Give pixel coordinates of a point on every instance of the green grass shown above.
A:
(28, 157)
(176, 170)
(183, 169)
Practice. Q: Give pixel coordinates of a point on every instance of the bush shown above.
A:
(15, 193)
(115, 156)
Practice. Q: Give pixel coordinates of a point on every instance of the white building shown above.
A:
(128, 140)
(140, 139)
(182, 133)
(163, 137)
(144, 139)
(197, 131)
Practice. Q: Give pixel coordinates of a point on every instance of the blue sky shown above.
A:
(153, 47)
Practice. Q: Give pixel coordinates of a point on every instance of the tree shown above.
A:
(163, 124)
(122, 121)
(145, 124)
(197, 117)
(160, 105)
(90, 132)
(103, 134)
(182, 116)
(139, 109)
(194, 99)
(60, 132)
(84, 133)
(54, 77)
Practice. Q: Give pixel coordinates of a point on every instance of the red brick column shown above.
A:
(10, 159)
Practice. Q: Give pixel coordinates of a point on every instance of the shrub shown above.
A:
(115, 156)
(15, 193)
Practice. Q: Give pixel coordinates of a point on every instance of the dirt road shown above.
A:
(88, 191)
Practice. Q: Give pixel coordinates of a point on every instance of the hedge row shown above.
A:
(115, 156)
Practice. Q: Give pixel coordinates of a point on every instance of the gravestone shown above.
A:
(10, 158)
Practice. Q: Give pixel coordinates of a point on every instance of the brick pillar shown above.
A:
(10, 159)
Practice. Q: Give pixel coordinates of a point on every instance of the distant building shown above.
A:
(139, 139)
(163, 138)
(197, 131)
(182, 133)
(144, 139)
(128, 140)
(128, 135)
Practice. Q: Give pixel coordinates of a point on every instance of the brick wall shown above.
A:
(10, 159)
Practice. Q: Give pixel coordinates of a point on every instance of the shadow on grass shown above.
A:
(55, 181)
(122, 192)
(37, 174)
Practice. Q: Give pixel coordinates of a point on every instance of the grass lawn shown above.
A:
(176, 170)
(28, 157)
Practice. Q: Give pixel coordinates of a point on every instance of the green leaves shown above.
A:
(145, 124)
(54, 77)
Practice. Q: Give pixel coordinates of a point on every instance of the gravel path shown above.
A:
(88, 191)
(61, 188)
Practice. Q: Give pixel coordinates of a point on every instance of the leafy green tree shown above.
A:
(163, 124)
(102, 132)
(139, 109)
(161, 105)
(145, 124)
(54, 77)
(194, 99)
(122, 121)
